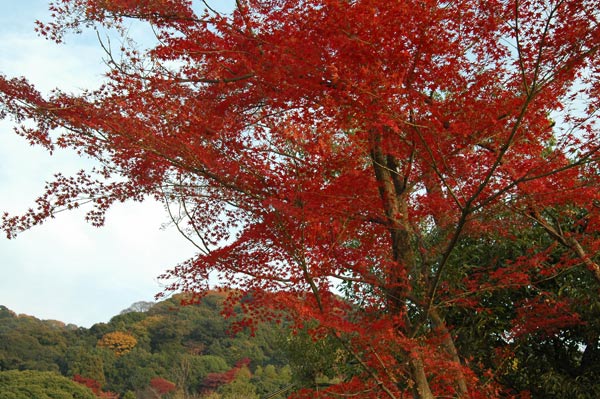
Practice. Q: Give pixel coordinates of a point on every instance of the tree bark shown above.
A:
(448, 342)
(392, 191)
(421, 388)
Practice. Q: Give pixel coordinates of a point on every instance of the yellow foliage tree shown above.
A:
(118, 342)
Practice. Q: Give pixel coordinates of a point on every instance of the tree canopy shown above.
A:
(376, 149)
(28, 384)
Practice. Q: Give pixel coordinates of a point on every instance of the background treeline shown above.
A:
(160, 350)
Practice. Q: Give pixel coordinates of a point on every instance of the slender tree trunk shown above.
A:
(568, 242)
(593, 266)
(421, 388)
(394, 198)
(448, 342)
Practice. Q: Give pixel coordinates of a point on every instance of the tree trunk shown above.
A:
(448, 342)
(394, 199)
(421, 388)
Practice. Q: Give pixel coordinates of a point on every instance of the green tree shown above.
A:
(560, 358)
(316, 361)
(6, 313)
(269, 379)
(241, 387)
(84, 361)
(133, 371)
(31, 346)
(188, 371)
(32, 384)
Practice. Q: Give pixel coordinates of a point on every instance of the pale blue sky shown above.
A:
(66, 269)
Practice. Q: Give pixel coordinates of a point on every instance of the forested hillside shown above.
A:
(161, 351)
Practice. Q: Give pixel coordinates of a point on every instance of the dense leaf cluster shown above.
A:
(15, 384)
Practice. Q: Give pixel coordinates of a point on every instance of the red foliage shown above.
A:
(95, 387)
(162, 386)
(543, 315)
(310, 143)
(214, 380)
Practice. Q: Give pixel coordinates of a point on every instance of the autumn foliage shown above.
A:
(214, 380)
(119, 342)
(353, 164)
(162, 386)
(95, 387)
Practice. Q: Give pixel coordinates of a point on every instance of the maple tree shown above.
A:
(94, 386)
(303, 145)
(162, 386)
(215, 380)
